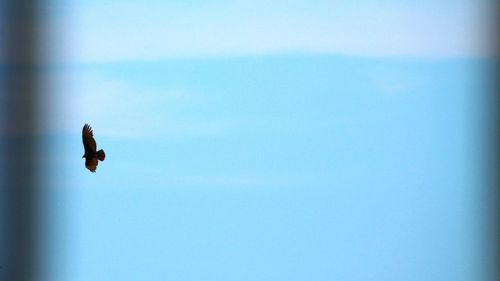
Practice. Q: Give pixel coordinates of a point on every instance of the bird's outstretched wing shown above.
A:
(88, 140)
(91, 163)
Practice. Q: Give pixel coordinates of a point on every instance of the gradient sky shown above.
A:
(268, 140)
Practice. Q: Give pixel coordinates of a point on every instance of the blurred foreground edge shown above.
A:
(19, 73)
(495, 131)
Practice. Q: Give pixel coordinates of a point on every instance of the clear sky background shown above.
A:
(267, 140)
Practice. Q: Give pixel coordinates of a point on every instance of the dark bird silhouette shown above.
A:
(91, 155)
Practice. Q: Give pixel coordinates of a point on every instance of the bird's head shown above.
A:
(83, 156)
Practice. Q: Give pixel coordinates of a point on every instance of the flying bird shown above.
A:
(91, 155)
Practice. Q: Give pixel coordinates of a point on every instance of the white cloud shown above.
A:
(142, 31)
(121, 109)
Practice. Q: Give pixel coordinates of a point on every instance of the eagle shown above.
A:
(91, 155)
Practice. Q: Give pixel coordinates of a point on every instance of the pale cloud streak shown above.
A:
(103, 32)
(121, 109)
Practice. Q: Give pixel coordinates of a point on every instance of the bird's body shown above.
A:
(91, 155)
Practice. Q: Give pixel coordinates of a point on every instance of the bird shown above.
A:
(91, 155)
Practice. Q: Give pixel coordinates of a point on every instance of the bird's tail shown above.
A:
(101, 155)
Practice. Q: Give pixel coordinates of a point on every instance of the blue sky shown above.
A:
(268, 141)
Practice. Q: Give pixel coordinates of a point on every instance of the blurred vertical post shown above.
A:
(496, 135)
(494, 150)
(20, 65)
